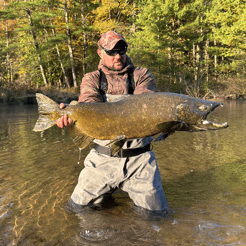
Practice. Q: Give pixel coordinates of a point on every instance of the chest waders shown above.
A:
(103, 88)
(137, 175)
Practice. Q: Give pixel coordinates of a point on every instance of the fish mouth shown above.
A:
(193, 115)
(205, 124)
(210, 124)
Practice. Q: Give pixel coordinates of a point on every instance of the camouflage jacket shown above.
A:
(117, 82)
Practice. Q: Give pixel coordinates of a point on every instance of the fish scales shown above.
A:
(134, 116)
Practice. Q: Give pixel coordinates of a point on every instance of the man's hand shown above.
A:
(64, 120)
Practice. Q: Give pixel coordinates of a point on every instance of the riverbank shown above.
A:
(25, 95)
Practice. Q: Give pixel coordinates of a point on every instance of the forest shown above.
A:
(194, 47)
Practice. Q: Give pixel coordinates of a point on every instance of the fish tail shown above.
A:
(49, 112)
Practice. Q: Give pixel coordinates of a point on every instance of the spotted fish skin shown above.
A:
(135, 116)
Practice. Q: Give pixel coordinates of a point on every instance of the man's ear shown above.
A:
(99, 52)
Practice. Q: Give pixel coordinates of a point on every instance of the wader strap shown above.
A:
(103, 83)
(123, 152)
(131, 83)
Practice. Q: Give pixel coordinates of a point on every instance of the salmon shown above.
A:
(135, 116)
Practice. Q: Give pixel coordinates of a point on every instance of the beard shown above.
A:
(116, 65)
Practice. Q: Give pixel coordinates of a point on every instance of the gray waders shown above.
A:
(139, 176)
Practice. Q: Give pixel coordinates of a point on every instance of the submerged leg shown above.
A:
(97, 180)
(143, 182)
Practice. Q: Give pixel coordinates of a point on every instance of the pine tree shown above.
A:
(227, 20)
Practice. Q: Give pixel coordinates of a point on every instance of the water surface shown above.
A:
(203, 175)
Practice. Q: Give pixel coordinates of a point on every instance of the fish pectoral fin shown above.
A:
(117, 139)
(116, 144)
(80, 139)
(169, 126)
(115, 147)
(160, 137)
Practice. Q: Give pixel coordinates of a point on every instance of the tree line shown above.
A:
(195, 47)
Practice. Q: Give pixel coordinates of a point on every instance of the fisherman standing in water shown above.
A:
(134, 169)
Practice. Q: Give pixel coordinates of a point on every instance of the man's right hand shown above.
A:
(64, 120)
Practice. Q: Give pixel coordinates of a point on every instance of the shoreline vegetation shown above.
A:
(26, 95)
(196, 47)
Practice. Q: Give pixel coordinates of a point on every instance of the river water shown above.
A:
(203, 175)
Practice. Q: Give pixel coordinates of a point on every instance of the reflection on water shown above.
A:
(203, 175)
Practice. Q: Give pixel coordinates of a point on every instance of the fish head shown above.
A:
(193, 114)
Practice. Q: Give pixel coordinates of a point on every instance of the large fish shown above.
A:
(135, 116)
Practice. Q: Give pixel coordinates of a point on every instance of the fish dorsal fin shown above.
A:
(80, 139)
(169, 126)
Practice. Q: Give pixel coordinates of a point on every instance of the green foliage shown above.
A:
(227, 19)
(185, 44)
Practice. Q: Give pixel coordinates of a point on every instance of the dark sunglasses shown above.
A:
(115, 52)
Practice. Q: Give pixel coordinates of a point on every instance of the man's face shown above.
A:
(115, 63)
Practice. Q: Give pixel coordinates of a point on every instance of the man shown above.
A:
(135, 169)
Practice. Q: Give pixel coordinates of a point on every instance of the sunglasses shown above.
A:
(115, 52)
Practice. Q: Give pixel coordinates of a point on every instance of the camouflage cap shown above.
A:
(109, 39)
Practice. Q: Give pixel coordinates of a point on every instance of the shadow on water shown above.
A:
(203, 175)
